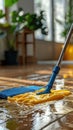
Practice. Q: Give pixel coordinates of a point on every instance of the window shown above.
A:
(46, 6)
(2, 8)
(59, 13)
(2, 4)
(54, 9)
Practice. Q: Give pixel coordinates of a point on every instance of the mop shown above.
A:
(58, 65)
(37, 94)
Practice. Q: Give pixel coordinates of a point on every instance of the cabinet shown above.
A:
(25, 41)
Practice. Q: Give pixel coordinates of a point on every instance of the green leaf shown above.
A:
(14, 15)
(9, 3)
(2, 14)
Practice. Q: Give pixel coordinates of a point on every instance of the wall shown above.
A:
(2, 48)
(27, 5)
(47, 50)
(44, 50)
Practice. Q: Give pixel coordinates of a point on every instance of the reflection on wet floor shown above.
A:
(35, 118)
(4, 115)
(64, 123)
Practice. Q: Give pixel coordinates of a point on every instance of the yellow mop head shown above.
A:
(32, 99)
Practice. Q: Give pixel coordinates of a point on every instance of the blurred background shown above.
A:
(46, 24)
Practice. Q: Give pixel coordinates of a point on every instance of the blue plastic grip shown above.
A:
(52, 79)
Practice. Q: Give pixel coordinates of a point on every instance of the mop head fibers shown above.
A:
(32, 98)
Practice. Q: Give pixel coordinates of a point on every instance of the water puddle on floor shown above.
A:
(46, 116)
(15, 117)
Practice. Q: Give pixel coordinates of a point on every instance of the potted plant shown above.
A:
(11, 55)
(5, 30)
(35, 22)
(30, 21)
(19, 20)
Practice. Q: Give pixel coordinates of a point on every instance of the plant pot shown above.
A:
(11, 57)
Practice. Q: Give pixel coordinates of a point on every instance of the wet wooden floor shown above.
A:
(57, 115)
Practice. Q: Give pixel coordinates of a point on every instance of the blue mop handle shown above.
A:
(51, 81)
(57, 67)
(52, 78)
